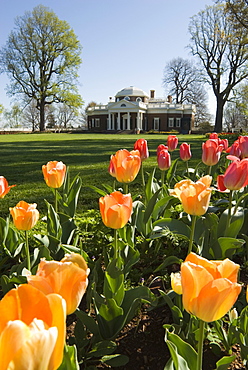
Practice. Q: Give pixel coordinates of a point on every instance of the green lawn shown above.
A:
(86, 154)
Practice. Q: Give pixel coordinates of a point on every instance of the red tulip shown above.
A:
(211, 152)
(172, 142)
(243, 145)
(235, 176)
(141, 146)
(234, 149)
(185, 153)
(160, 147)
(213, 135)
(164, 159)
(4, 187)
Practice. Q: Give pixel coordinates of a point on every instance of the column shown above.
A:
(119, 121)
(109, 122)
(128, 120)
(113, 121)
(138, 120)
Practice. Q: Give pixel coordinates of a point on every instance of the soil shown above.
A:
(142, 340)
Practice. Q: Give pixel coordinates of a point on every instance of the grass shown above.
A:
(22, 156)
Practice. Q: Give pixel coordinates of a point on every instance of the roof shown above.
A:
(131, 91)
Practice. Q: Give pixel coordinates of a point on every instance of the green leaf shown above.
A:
(224, 362)
(174, 225)
(110, 310)
(115, 360)
(105, 347)
(150, 206)
(229, 246)
(168, 261)
(149, 185)
(70, 359)
(88, 321)
(98, 190)
(184, 356)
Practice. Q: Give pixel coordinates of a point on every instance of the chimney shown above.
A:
(169, 98)
(152, 94)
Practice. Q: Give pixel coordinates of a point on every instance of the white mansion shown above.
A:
(134, 110)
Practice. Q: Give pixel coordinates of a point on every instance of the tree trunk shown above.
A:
(42, 116)
(219, 114)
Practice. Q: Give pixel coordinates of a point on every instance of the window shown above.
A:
(93, 122)
(178, 122)
(171, 122)
(127, 98)
(97, 122)
(156, 123)
(138, 99)
(123, 105)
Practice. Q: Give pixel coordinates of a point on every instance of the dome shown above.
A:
(131, 91)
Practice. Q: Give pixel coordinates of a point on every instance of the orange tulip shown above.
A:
(116, 209)
(67, 278)
(195, 196)
(176, 282)
(25, 215)
(209, 288)
(4, 187)
(32, 329)
(54, 173)
(141, 146)
(125, 165)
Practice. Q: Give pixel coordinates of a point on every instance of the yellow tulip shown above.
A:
(32, 330)
(209, 288)
(116, 209)
(67, 278)
(54, 173)
(25, 215)
(195, 196)
(176, 283)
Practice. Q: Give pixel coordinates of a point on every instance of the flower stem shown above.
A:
(116, 244)
(229, 210)
(125, 186)
(209, 170)
(187, 166)
(162, 178)
(142, 175)
(56, 200)
(27, 251)
(200, 345)
(192, 234)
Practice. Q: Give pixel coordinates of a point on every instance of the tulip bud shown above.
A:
(176, 282)
(211, 152)
(233, 315)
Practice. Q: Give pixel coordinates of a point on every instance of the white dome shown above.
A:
(131, 91)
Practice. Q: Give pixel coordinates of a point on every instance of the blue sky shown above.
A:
(124, 42)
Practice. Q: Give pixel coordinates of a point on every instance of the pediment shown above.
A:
(123, 104)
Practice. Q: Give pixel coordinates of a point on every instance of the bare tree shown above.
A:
(184, 81)
(32, 115)
(222, 49)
